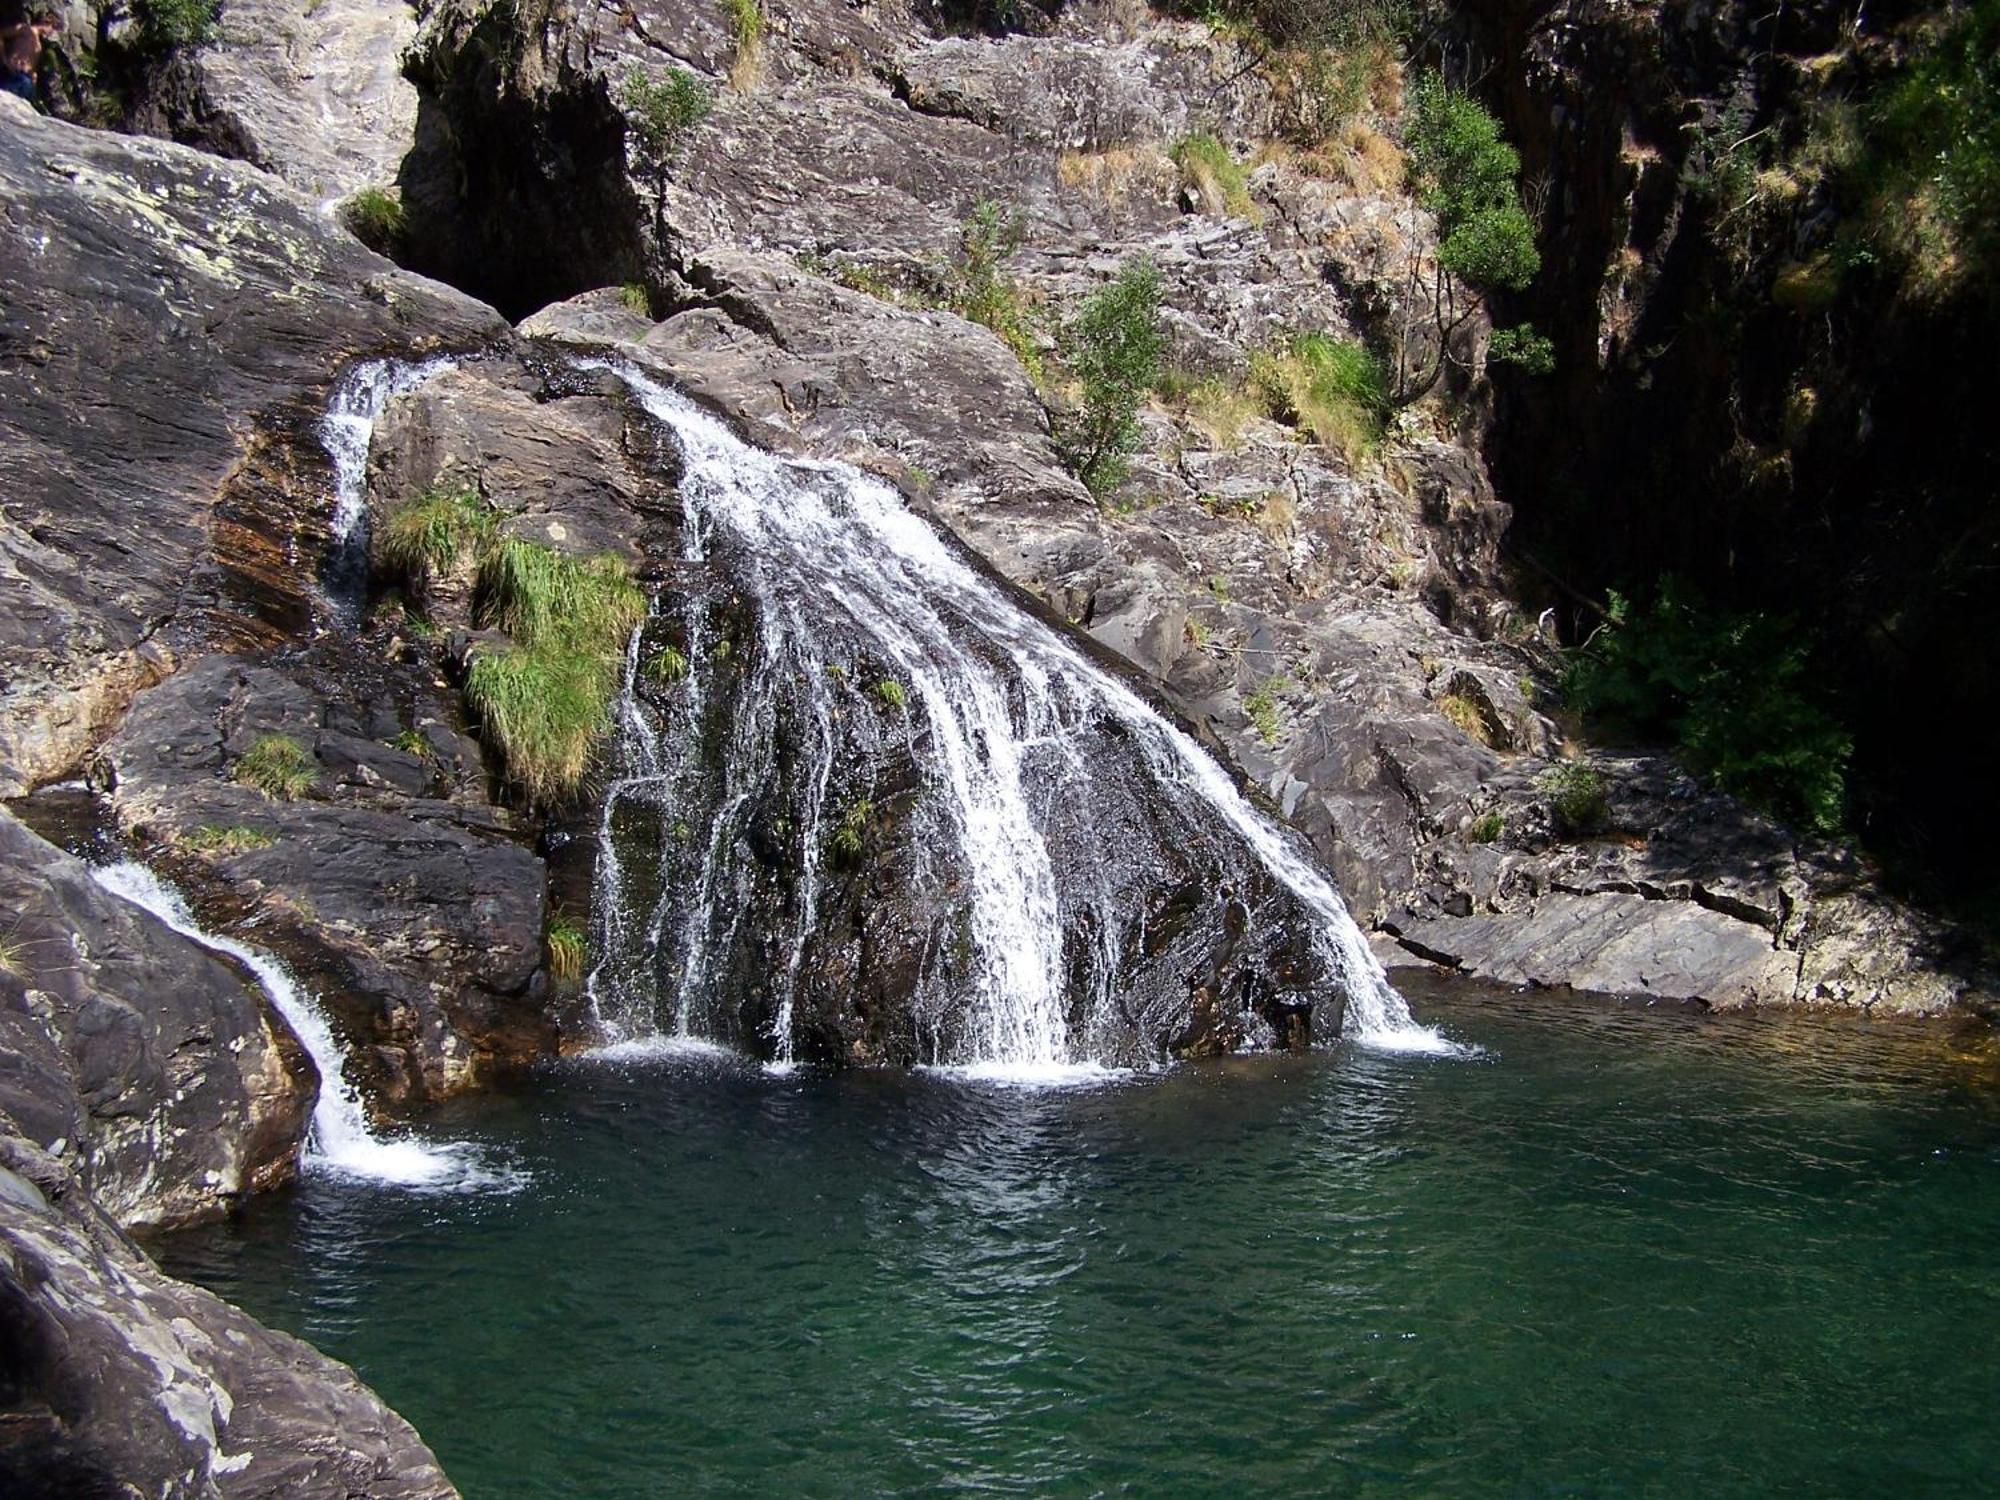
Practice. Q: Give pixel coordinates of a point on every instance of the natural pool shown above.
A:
(1623, 1251)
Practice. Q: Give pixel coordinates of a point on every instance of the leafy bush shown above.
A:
(1262, 707)
(660, 117)
(979, 289)
(1333, 388)
(1210, 171)
(278, 766)
(1524, 346)
(891, 693)
(851, 832)
(1467, 176)
(375, 217)
(1113, 346)
(426, 537)
(1734, 692)
(165, 24)
(568, 948)
(1933, 156)
(1576, 796)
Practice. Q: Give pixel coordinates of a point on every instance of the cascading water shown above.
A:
(345, 432)
(341, 1140)
(1051, 804)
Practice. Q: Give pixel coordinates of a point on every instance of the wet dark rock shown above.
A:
(168, 318)
(399, 900)
(156, 1071)
(116, 1379)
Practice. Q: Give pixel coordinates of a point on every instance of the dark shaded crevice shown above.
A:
(516, 195)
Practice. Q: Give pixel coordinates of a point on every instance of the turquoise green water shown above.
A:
(1626, 1251)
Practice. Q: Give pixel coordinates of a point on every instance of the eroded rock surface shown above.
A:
(154, 1069)
(167, 321)
(116, 1379)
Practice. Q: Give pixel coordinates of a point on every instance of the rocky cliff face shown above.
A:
(1357, 605)
(1812, 445)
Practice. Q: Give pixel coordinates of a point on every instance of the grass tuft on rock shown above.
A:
(1576, 796)
(375, 217)
(426, 537)
(278, 766)
(1216, 177)
(568, 948)
(1334, 389)
(216, 838)
(545, 700)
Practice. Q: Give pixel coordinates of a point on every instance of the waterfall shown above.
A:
(1052, 798)
(345, 432)
(340, 1140)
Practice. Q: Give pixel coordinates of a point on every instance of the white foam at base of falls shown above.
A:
(340, 1140)
(855, 547)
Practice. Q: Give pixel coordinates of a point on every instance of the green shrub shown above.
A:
(375, 217)
(746, 26)
(978, 288)
(1467, 176)
(1931, 164)
(1209, 170)
(634, 297)
(427, 536)
(1523, 346)
(1486, 828)
(1113, 346)
(412, 742)
(164, 24)
(891, 693)
(1333, 388)
(850, 833)
(278, 766)
(568, 948)
(216, 838)
(1734, 692)
(1262, 707)
(1576, 796)
(660, 117)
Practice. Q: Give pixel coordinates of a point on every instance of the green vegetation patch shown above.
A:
(666, 666)
(978, 288)
(1262, 707)
(850, 833)
(375, 217)
(426, 537)
(546, 699)
(165, 24)
(1334, 389)
(1736, 693)
(1468, 176)
(278, 766)
(216, 838)
(1113, 347)
(1209, 170)
(568, 947)
(1576, 796)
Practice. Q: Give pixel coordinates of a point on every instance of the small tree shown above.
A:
(1113, 346)
(660, 116)
(1469, 178)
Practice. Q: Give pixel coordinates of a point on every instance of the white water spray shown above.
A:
(847, 542)
(340, 1140)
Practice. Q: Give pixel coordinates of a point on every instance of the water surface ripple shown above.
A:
(1624, 1251)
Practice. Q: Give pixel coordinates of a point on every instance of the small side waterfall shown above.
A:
(345, 433)
(1051, 804)
(341, 1140)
